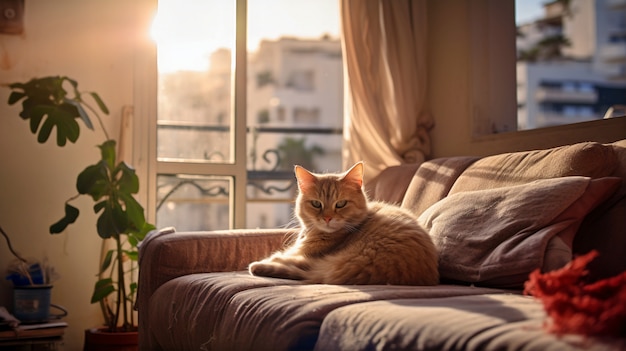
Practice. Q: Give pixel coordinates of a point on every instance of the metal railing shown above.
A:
(262, 181)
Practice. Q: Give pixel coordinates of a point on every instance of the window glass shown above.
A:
(570, 66)
(188, 202)
(295, 53)
(293, 109)
(194, 60)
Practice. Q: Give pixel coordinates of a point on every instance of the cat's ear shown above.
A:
(305, 178)
(355, 174)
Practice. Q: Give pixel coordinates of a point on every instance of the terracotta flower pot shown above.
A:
(98, 339)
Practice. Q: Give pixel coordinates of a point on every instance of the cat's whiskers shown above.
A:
(294, 222)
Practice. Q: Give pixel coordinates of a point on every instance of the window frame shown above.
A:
(149, 167)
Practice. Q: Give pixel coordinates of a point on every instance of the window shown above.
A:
(571, 44)
(586, 87)
(568, 86)
(264, 78)
(229, 75)
(301, 80)
(306, 116)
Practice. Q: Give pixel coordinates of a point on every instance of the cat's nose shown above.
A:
(327, 219)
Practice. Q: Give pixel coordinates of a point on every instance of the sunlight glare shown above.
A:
(187, 35)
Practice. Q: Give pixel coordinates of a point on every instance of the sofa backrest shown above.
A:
(588, 159)
(604, 229)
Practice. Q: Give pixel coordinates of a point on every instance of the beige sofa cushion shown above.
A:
(496, 237)
(237, 311)
(470, 323)
(390, 185)
(433, 181)
(588, 159)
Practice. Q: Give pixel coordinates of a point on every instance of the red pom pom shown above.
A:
(575, 306)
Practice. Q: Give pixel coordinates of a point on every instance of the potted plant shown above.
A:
(47, 105)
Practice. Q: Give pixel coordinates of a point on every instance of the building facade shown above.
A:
(572, 63)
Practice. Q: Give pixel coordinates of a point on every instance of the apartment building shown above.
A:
(572, 63)
(295, 115)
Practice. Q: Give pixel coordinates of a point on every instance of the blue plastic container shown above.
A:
(32, 303)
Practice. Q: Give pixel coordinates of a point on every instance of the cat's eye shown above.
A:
(341, 204)
(316, 204)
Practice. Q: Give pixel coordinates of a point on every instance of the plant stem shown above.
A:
(121, 285)
(103, 302)
(6, 236)
(106, 135)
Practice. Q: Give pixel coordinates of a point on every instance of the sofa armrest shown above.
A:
(170, 254)
(165, 255)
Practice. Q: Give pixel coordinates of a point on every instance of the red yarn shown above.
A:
(574, 306)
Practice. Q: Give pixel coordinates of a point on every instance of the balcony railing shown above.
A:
(559, 95)
(616, 4)
(266, 182)
(548, 118)
(613, 52)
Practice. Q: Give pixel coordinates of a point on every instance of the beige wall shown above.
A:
(94, 42)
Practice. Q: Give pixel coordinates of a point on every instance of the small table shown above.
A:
(40, 337)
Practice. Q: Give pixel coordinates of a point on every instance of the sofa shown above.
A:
(494, 219)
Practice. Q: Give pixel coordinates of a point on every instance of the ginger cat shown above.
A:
(346, 239)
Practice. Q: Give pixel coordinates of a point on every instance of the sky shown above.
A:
(188, 43)
(186, 35)
(528, 10)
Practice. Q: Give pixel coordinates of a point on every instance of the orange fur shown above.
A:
(346, 239)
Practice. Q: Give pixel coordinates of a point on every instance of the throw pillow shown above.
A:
(496, 237)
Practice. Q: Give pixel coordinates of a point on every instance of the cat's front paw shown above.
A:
(259, 268)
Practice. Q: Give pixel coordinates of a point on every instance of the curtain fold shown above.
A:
(386, 120)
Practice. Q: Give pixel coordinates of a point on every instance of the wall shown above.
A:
(95, 43)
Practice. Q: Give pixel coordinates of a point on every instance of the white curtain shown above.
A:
(386, 121)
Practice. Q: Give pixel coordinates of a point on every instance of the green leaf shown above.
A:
(120, 219)
(93, 181)
(34, 123)
(15, 97)
(134, 211)
(71, 213)
(106, 263)
(103, 288)
(44, 100)
(133, 240)
(105, 225)
(138, 234)
(128, 181)
(135, 236)
(132, 255)
(81, 112)
(133, 288)
(100, 103)
(57, 116)
(44, 133)
(99, 206)
(17, 85)
(112, 221)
